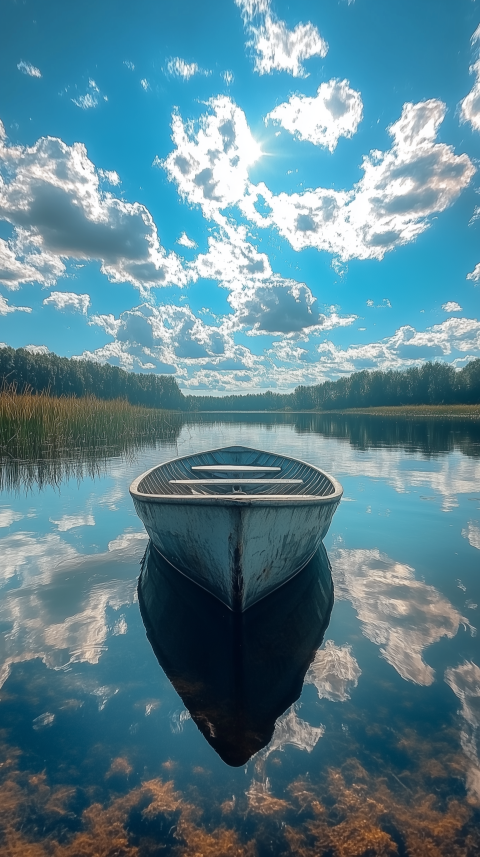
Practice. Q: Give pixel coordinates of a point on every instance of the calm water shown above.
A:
(113, 743)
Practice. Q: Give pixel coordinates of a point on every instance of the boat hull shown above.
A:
(238, 550)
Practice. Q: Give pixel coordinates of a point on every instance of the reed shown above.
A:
(471, 411)
(45, 439)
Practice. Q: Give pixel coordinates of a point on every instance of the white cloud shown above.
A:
(130, 65)
(37, 349)
(232, 259)
(86, 102)
(179, 68)
(51, 195)
(452, 306)
(406, 347)
(69, 522)
(27, 68)
(168, 337)
(110, 176)
(145, 84)
(299, 359)
(465, 683)
(470, 106)
(228, 77)
(6, 308)
(123, 355)
(185, 241)
(69, 301)
(109, 323)
(397, 612)
(276, 306)
(13, 272)
(280, 49)
(250, 8)
(334, 112)
(334, 672)
(383, 305)
(210, 162)
(281, 306)
(472, 533)
(276, 47)
(261, 300)
(475, 274)
(391, 205)
(90, 99)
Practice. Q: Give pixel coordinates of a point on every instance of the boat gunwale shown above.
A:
(233, 499)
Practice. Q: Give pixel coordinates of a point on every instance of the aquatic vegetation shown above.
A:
(44, 439)
(348, 812)
(359, 814)
(416, 411)
(261, 801)
(119, 767)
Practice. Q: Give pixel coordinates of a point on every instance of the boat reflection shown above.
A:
(235, 672)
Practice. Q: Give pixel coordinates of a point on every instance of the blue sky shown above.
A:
(248, 194)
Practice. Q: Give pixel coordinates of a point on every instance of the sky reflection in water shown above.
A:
(381, 749)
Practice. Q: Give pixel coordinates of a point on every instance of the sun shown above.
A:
(253, 151)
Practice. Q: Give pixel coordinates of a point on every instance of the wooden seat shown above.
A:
(237, 480)
(236, 468)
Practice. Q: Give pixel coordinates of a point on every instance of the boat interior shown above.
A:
(236, 470)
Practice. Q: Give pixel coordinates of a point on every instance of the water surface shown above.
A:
(106, 738)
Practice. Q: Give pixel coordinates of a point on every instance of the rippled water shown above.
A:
(115, 743)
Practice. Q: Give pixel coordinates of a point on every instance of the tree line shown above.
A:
(63, 376)
(430, 384)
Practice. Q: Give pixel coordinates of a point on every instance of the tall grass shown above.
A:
(45, 439)
(464, 411)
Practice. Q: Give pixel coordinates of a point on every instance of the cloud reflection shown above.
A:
(49, 618)
(398, 613)
(291, 729)
(472, 533)
(334, 672)
(9, 516)
(69, 522)
(465, 683)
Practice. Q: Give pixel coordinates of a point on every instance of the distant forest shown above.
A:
(431, 384)
(62, 376)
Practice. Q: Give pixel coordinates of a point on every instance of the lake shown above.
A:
(115, 743)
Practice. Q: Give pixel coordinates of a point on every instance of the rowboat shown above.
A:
(236, 673)
(239, 522)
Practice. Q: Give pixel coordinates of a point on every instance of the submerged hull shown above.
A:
(236, 673)
(237, 546)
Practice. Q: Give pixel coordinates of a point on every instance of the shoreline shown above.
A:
(458, 411)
